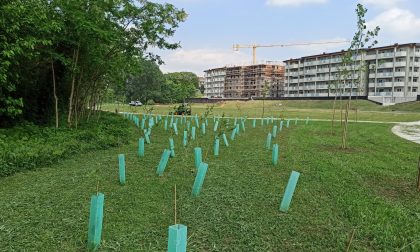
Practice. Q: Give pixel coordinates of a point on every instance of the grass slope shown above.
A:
(367, 110)
(370, 188)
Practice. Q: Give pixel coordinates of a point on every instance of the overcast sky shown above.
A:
(213, 26)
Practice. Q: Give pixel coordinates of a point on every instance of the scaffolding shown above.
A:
(254, 81)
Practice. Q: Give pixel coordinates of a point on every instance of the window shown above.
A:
(398, 89)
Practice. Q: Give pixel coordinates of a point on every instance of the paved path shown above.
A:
(409, 131)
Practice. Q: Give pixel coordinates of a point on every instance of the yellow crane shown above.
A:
(254, 47)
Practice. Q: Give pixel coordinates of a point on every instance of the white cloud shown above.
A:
(198, 60)
(294, 3)
(382, 3)
(397, 24)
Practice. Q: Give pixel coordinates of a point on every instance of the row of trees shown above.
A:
(59, 57)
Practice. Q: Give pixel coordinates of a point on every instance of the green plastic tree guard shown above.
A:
(141, 147)
(235, 121)
(199, 179)
(262, 122)
(121, 161)
(184, 141)
(197, 157)
(237, 129)
(163, 162)
(275, 154)
(177, 238)
(287, 123)
(274, 131)
(172, 147)
(95, 221)
(203, 128)
(307, 120)
(216, 146)
(254, 122)
(193, 133)
(232, 135)
(143, 122)
(225, 140)
(268, 141)
(281, 126)
(290, 189)
(165, 125)
(243, 126)
(216, 124)
(147, 137)
(296, 121)
(197, 124)
(175, 128)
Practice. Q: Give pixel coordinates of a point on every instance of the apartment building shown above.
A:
(214, 82)
(391, 75)
(248, 81)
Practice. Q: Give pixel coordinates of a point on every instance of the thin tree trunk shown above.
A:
(76, 58)
(345, 127)
(333, 117)
(55, 95)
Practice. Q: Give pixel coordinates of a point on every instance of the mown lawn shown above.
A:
(366, 110)
(370, 188)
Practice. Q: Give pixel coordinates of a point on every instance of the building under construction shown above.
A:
(252, 81)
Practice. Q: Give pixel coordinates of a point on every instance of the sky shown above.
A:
(213, 26)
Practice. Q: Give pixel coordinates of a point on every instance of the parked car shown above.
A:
(135, 103)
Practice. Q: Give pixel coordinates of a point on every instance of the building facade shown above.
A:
(245, 81)
(391, 74)
(214, 82)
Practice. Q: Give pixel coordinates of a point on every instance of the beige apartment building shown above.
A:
(391, 76)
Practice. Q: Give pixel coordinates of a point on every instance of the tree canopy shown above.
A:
(62, 56)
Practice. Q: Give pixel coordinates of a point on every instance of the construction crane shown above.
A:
(254, 47)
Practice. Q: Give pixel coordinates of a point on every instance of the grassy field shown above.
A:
(367, 111)
(369, 188)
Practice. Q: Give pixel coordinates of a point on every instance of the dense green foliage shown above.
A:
(150, 84)
(179, 86)
(29, 146)
(65, 54)
(369, 187)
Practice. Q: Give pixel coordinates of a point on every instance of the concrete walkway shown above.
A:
(409, 131)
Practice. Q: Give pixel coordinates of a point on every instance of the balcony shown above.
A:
(323, 70)
(309, 63)
(385, 55)
(370, 57)
(381, 84)
(399, 74)
(400, 64)
(399, 84)
(310, 71)
(323, 62)
(414, 64)
(383, 75)
(322, 78)
(401, 54)
(322, 87)
(292, 66)
(385, 65)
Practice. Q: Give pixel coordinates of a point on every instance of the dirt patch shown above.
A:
(338, 149)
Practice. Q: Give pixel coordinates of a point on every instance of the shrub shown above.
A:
(29, 146)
